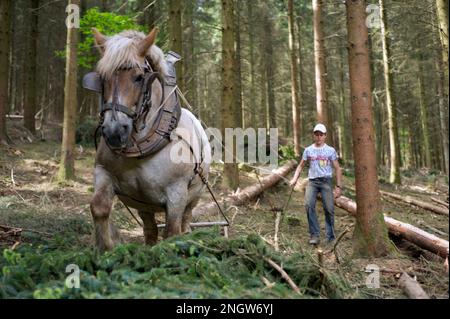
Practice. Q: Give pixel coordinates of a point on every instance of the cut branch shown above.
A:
(418, 203)
(284, 275)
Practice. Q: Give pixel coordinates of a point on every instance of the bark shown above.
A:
(424, 117)
(413, 234)
(443, 118)
(320, 68)
(252, 98)
(370, 233)
(67, 164)
(418, 203)
(190, 75)
(230, 170)
(296, 125)
(31, 79)
(394, 146)
(5, 24)
(268, 65)
(442, 16)
(411, 287)
(248, 193)
(301, 79)
(176, 37)
(239, 118)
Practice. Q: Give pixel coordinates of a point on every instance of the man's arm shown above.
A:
(297, 173)
(338, 170)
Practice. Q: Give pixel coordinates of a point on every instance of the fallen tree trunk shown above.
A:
(411, 287)
(247, 193)
(439, 202)
(411, 233)
(418, 203)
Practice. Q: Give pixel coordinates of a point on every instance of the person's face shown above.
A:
(319, 138)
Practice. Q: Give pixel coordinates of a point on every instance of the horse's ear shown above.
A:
(147, 42)
(100, 40)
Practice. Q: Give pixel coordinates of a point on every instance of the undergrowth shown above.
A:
(199, 265)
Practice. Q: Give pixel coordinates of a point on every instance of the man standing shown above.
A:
(322, 158)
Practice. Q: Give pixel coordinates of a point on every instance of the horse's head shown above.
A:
(127, 73)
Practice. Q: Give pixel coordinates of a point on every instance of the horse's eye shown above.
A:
(138, 78)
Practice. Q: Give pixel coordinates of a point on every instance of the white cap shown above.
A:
(320, 127)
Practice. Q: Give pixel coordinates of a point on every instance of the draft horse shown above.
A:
(143, 132)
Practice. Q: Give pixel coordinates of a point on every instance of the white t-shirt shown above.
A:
(320, 160)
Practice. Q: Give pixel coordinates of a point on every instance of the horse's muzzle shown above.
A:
(116, 135)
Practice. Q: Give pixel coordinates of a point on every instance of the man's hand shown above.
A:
(337, 192)
(293, 182)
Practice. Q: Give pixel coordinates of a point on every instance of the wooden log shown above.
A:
(411, 233)
(201, 224)
(411, 287)
(418, 203)
(247, 193)
(439, 202)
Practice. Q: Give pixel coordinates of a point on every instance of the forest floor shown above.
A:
(31, 199)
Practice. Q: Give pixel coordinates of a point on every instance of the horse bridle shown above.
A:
(144, 103)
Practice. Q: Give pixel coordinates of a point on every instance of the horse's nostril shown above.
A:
(125, 127)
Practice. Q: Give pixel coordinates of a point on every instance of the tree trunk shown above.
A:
(30, 100)
(424, 116)
(268, 56)
(394, 146)
(301, 85)
(67, 164)
(443, 118)
(248, 193)
(190, 76)
(176, 37)
(320, 68)
(370, 233)
(413, 234)
(442, 16)
(5, 23)
(418, 203)
(296, 125)
(344, 140)
(239, 111)
(252, 97)
(230, 170)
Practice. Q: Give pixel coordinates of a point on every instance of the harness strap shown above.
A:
(198, 170)
(118, 107)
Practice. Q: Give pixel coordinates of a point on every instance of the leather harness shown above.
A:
(166, 117)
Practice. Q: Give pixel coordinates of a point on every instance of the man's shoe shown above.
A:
(314, 240)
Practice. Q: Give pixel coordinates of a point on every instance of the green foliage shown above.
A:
(107, 23)
(287, 152)
(198, 265)
(85, 131)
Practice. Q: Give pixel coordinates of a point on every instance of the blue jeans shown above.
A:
(322, 185)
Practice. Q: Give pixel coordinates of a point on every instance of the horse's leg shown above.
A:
(175, 208)
(187, 217)
(150, 227)
(101, 205)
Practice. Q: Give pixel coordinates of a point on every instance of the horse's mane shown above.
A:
(121, 50)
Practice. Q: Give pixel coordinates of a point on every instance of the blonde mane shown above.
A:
(121, 51)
